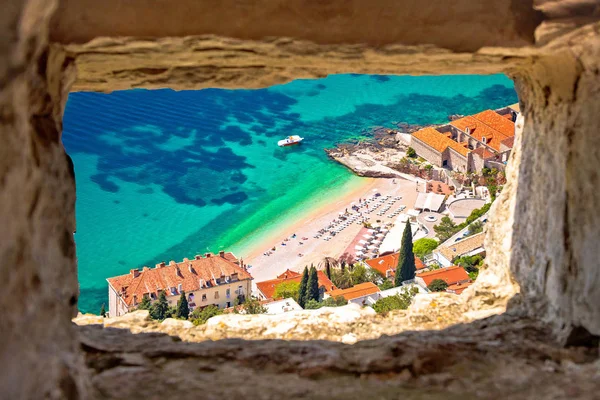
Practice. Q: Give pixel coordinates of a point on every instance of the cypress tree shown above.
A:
(103, 311)
(303, 287)
(160, 310)
(144, 304)
(183, 309)
(406, 268)
(312, 291)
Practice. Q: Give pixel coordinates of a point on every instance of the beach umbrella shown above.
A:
(358, 247)
(380, 235)
(372, 247)
(362, 241)
(367, 236)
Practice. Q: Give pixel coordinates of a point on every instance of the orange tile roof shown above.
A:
(288, 274)
(488, 124)
(510, 142)
(190, 274)
(458, 288)
(390, 262)
(451, 275)
(439, 141)
(360, 290)
(483, 153)
(497, 122)
(267, 288)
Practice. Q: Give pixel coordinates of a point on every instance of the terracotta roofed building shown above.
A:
(209, 280)
(452, 276)
(357, 294)
(470, 143)
(386, 265)
(266, 289)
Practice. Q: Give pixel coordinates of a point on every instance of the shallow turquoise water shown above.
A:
(164, 175)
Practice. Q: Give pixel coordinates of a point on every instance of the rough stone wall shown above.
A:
(456, 161)
(38, 349)
(427, 152)
(459, 25)
(555, 258)
(545, 229)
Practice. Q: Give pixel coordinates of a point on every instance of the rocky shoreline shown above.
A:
(383, 154)
(380, 155)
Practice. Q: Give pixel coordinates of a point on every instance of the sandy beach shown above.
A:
(286, 253)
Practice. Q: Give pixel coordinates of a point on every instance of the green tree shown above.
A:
(302, 290)
(399, 301)
(475, 227)
(312, 305)
(437, 285)
(445, 229)
(103, 311)
(252, 306)
(410, 152)
(469, 263)
(183, 309)
(144, 304)
(424, 246)
(387, 284)
(160, 309)
(200, 316)
(287, 289)
(406, 268)
(312, 288)
(342, 278)
(328, 302)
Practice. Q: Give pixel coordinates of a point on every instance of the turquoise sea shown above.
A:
(164, 175)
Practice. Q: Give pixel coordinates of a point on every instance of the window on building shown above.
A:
(228, 293)
(217, 294)
(204, 297)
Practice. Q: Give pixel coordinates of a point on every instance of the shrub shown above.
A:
(250, 306)
(200, 316)
(328, 302)
(475, 227)
(387, 284)
(438, 285)
(424, 246)
(399, 301)
(410, 152)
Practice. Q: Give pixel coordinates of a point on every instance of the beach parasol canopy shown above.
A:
(368, 236)
(362, 241)
(358, 248)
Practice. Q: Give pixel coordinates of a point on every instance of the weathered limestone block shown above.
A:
(556, 234)
(548, 210)
(500, 357)
(459, 25)
(38, 348)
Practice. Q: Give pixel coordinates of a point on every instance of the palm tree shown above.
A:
(328, 264)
